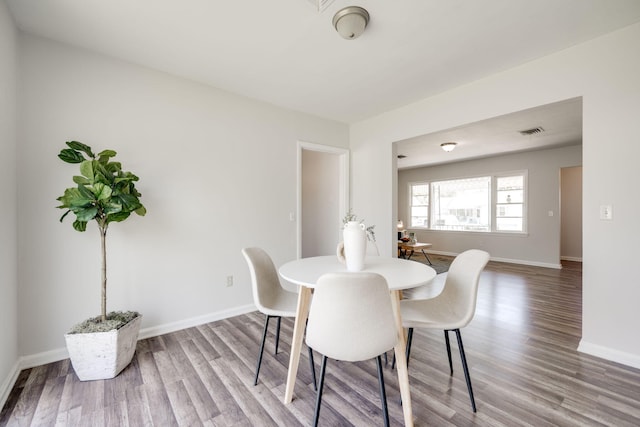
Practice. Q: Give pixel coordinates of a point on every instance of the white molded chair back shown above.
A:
(268, 295)
(461, 286)
(450, 310)
(270, 298)
(351, 317)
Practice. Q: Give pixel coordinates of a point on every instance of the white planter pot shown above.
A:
(103, 355)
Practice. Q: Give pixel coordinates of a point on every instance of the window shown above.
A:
(420, 205)
(461, 204)
(485, 204)
(510, 203)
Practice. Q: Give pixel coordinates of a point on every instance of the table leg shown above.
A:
(401, 361)
(302, 312)
(426, 256)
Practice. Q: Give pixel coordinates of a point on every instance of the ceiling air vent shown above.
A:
(401, 156)
(531, 131)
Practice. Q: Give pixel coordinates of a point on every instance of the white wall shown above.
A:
(541, 244)
(571, 214)
(8, 213)
(217, 173)
(320, 205)
(606, 72)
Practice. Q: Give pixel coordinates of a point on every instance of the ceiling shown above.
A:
(560, 125)
(286, 52)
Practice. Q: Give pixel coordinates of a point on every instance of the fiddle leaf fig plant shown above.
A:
(104, 193)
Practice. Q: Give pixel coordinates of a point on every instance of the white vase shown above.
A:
(355, 245)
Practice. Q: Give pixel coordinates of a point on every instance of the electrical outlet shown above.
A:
(229, 281)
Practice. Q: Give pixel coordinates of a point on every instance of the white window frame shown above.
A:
(493, 202)
(525, 197)
(410, 197)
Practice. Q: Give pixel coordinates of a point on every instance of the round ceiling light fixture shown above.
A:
(448, 146)
(351, 21)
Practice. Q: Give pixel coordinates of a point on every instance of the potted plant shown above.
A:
(101, 347)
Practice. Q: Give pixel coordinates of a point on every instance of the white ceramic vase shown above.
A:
(355, 245)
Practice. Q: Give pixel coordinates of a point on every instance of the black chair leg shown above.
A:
(446, 339)
(466, 369)
(316, 416)
(383, 394)
(313, 369)
(278, 334)
(407, 350)
(264, 337)
(409, 339)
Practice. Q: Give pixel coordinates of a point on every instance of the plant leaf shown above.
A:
(101, 191)
(79, 225)
(85, 214)
(111, 207)
(117, 217)
(86, 169)
(80, 180)
(65, 214)
(79, 146)
(104, 155)
(71, 156)
(142, 211)
(74, 198)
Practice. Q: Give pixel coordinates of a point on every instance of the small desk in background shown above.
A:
(404, 249)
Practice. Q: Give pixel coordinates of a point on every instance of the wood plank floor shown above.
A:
(521, 349)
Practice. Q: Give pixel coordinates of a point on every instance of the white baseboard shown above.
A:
(154, 331)
(8, 383)
(607, 353)
(507, 260)
(571, 258)
(30, 361)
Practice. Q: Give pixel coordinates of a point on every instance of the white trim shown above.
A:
(343, 197)
(8, 384)
(38, 359)
(507, 260)
(195, 321)
(571, 258)
(610, 354)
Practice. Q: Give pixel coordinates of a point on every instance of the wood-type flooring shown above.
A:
(521, 349)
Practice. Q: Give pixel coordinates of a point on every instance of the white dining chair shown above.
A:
(351, 319)
(430, 290)
(271, 299)
(452, 309)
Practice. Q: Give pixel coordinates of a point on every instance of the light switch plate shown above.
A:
(606, 212)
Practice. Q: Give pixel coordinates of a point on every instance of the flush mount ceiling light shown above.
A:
(351, 21)
(448, 146)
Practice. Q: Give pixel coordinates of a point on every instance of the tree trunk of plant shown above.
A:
(103, 246)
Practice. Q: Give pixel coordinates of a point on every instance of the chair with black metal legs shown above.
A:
(351, 319)
(452, 309)
(271, 299)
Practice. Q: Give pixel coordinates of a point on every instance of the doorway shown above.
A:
(571, 213)
(323, 197)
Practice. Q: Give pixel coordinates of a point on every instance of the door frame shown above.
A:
(343, 184)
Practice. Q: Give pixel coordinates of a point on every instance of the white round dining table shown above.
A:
(399, 273)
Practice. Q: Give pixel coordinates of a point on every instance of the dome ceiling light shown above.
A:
(448, 146)
(351, 21)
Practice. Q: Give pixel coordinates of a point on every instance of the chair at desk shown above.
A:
(270, 298)
(452, 309)
(351, 319)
